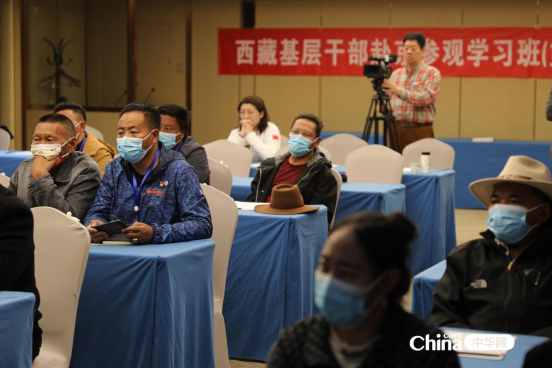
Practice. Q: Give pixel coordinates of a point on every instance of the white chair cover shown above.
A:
(4, 180)
(339, 181)
(62, 245)
(221, 176)
(94, 132)
(441, 154)
(340, 145)
(374, 164)
(237, 158)
(224, 215)
(4, 140)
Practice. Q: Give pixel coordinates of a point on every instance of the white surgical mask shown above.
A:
(48, 151)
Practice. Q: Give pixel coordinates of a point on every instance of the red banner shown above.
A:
(456, 52)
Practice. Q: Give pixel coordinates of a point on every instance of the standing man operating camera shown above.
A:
(412, 91)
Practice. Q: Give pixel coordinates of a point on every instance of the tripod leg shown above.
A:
(368, 124)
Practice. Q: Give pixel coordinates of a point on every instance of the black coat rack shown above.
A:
(58, 62)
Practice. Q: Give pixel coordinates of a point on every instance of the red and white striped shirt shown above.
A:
(416, 103)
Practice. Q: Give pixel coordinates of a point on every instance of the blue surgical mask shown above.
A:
(299, 145)
(341, 303)
(131, 148)
(507, 222)
(168, 139)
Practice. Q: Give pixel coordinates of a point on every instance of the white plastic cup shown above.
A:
(425, 162)
(414, 167)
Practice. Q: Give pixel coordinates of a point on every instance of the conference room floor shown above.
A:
(469, 223)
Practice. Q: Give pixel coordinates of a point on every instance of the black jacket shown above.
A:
(478, 292)
(306, 344)
(316, 182)
(17, 271)
(196, 156)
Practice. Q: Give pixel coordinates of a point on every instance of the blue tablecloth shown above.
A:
(16, 329)
(422, 289)
(10, 160)
(354, 197)
(484, 160)
(270, 278)
(147, 306)
(478, 160)
(430, 204)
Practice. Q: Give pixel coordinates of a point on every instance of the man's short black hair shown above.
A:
(75, 107)
(178, 112)
(66, 124)
(415, 36)
(313, 118)
(152, 117)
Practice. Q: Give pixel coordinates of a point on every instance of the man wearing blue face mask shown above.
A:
(502, 282)
(57, 176)
(303, 165)
(175, 126)
(150, 188)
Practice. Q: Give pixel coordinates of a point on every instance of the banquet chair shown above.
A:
(4, 140)
(374, 164)
(340, 145)
(62, 245)
(237, 158)
(326, 153)
(441, 154)
(95, 132)
(224, 215)
(339, 181)
(4, 180)
(221, 176)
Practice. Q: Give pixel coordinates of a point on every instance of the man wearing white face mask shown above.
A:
(57, 176)
(502, 282)
(102, 152)
(303, 165)
(150, 188)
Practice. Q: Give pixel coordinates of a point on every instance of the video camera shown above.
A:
(380, 71)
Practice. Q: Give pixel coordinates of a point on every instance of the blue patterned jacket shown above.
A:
(171, 200)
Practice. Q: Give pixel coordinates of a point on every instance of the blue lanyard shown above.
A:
(180, 145)
(82, 144)
(137, 189)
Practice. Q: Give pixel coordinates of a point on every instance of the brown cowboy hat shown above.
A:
(286, 199)
(518, 169)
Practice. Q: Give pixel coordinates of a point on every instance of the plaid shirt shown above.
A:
(416, 103)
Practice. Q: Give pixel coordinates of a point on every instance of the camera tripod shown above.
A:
(380, 102)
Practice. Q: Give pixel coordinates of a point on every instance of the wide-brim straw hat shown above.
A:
(286, 199)
(518, 169)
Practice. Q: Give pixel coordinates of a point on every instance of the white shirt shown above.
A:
(263, 145)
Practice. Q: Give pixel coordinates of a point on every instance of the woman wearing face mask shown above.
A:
(361, 278)
(255, 132)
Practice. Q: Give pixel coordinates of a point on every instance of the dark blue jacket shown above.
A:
(171, 200)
